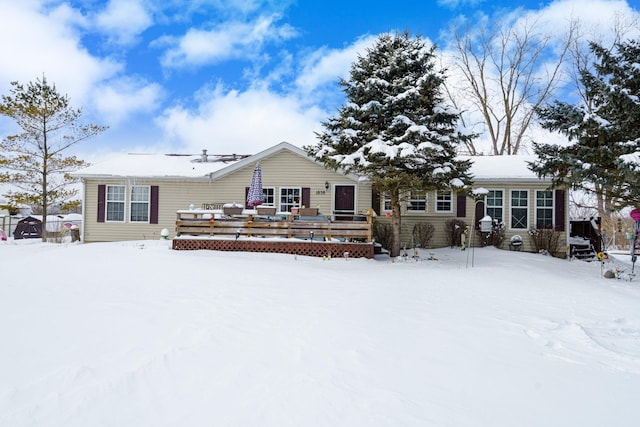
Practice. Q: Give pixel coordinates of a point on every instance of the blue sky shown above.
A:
(232, 76)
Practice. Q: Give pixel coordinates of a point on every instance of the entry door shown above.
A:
(344, 202)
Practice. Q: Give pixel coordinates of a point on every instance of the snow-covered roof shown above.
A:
(152, 166)
(175, 166)
(502, 167)
(172, 166)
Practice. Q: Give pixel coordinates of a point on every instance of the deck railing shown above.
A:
(214, 223)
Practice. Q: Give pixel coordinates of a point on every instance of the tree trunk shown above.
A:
(45, 201)
(395, 224)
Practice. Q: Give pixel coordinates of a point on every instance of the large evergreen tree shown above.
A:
(602, 129)
(32, 161)
(395, 128)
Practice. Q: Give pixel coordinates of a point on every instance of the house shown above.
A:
(137, 196)
(513, 196)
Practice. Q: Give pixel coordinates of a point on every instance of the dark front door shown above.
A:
(344, 202)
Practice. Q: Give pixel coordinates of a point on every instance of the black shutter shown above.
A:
(479, 213)
(246, 196)
(461, 206)
(153, 215)
(102, 195)
(559, 217)
(375, 200)
(306, 197)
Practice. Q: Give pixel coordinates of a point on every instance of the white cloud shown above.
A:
(453, 4)
(328, 65)
(45, 42)
(597, 18)
(248, 121)
(68, 17)
(185, 10)
(232, 39)
(241, 122)
(122, 98)
(124, 20)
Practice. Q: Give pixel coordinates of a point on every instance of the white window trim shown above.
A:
(435, 203)
(411, 199)
(107, 201)
(148, 202)
(383, 201)
(504, 193)
(528, 207)
(298, 205)
(553, 208)
(275, 196)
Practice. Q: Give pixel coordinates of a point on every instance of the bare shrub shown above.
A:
(453, 230)
(382, 233)
(545, 240)
(423, 233)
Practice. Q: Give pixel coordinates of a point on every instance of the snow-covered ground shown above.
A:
(135, 334)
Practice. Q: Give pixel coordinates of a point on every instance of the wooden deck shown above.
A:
(281, 233)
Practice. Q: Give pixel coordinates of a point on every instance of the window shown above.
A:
(115, 203)
(443, 201)
(494, 204)
(387, 202)
(289, 198)
(140, 203)
(417, 201)
(269, 196)
(519, 209)
(544, 209)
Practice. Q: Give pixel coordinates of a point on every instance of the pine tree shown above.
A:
(33, 160)
(395, 128)
(602, 157)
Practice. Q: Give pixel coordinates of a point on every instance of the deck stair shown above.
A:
(583, 253)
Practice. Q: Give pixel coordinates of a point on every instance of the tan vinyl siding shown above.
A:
(282, 169)
(173, 195)
(288, 169)
(410, 218)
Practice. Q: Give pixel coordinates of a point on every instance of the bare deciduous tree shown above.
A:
(508, 68)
